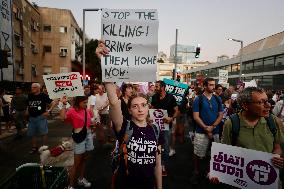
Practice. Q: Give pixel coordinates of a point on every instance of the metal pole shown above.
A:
(84, 50)
(84, 41)
(241, 60)
(175, 69)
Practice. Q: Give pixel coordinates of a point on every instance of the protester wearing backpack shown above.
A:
(254, 128)
(208, 114)
(140, 160)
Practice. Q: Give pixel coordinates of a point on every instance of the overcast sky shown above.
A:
(205, 22)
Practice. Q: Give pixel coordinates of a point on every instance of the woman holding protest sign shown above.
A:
(80, 118)
(140, 142)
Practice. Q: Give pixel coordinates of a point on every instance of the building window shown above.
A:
(34, 25)
(47, 70)
(268, 63)
(47, 49)
(248, 66)
(18, 41)
(235, 67)
(63, 29)
(47, 28)
(33, 48)
(279, 62)
(63, 51)
(64, 70)
(258, 64)
(33, 70)
(267, 81)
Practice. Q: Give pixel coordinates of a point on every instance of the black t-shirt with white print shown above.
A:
(141, 150)
(37, 104)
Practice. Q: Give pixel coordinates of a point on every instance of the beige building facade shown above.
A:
(59, 40)
(45, 41)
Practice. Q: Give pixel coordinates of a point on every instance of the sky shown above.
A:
(206, 22)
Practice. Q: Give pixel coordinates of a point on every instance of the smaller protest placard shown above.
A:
(234, 96)
(58, 85)
(251, 83)
(223, 76)
(176, 88)
(157, 116)
(242, 168)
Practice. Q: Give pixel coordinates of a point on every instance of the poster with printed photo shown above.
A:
(157, 115)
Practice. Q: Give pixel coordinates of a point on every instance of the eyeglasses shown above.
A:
(261, 102)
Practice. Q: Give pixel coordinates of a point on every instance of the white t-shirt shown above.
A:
(91, 101)
(277, 108)
(102, 100)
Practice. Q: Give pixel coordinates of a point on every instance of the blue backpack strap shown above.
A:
(271, 124)
(128, 132)
(235, 128)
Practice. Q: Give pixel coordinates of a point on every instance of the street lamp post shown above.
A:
(241, 54)
(175, 69)
(84, 41)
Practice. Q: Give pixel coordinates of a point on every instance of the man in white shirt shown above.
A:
(102, 105)
(278, 110)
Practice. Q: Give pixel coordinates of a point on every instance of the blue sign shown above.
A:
(85, 82)
(176, 88)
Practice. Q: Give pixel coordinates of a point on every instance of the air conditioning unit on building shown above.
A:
(35, 50)
(37, 26)
(62, 54)
(34, 27)
(20, 44)
(19, 15)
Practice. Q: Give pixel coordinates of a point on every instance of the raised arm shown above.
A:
(114, 103)
(114, 106)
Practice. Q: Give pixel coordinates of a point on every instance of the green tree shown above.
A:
(91, 60)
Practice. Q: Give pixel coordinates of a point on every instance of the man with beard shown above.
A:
(162, 100)
(207, 113)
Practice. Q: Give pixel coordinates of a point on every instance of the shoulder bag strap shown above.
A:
(85, 123)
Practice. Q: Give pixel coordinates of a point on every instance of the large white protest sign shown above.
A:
(131, 35)
(223, 76)
(68, 84)
(157, 116)
(243, 168)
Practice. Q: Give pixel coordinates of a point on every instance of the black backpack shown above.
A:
(235, 119)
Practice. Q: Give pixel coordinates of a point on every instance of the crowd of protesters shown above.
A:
(120, 114)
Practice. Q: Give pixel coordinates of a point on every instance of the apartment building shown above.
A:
(60, 38)
(26, 42)
(45, 41)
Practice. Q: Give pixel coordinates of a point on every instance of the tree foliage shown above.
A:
(91, 60)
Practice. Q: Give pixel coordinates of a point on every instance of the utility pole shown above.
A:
(84, 41)
(175, 59)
